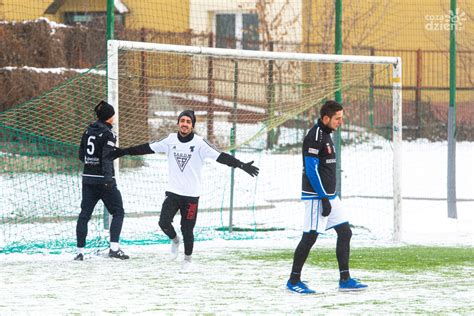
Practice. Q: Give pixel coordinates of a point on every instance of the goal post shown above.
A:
(397, 151)
(114, 46)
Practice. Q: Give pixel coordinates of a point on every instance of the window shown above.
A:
(238, 30)
(225, 31)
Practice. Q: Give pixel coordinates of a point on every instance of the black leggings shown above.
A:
(301, 254)
(188, 207)
(343, 248)
(344, 234)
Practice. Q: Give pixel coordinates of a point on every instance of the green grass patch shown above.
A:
(409, 259)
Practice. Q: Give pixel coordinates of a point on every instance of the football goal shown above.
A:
(257, 105)
(260, 104)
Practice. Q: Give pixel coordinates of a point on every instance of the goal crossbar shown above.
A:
(113, 47)
(252, 54)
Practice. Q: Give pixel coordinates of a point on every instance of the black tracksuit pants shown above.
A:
(91, 194)
(188, 207)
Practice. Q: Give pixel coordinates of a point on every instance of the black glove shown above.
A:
(326, 206)
(251, 170)
(117, 153)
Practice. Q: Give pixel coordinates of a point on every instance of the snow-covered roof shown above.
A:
(58, 70)
(120, 7)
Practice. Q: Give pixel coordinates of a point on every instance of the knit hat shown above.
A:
(188, 113)
(104, 111)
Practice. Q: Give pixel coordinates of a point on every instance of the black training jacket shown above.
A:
(96, 144)
(319, 164)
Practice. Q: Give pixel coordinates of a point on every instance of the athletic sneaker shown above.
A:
(79, 257)
(187, 264)
(174, 248)
(299, 287)
(119, 254)
(352, 285)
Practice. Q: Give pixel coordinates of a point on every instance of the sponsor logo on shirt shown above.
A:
(313, 151)
(88, 160)
(191, 148)
(329, 150)
(328, 161)
(182, 160)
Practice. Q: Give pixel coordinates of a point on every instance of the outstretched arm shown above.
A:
(142, 149)
(159, 146)
(231, 161)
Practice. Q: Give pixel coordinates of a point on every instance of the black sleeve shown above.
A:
(107, 163)
(143, 149)
(229, 160)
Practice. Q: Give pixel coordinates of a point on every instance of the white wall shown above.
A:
(288, 29)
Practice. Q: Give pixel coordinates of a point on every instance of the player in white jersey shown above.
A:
(186, 153)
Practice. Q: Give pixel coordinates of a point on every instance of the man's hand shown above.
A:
(251, 170)
(326, 206)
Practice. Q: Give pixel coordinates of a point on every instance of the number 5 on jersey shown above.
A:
(90, 150)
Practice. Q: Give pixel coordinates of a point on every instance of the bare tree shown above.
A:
(275, 24)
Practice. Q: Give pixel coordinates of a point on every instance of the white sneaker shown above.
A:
(174, 248)
(187, 264)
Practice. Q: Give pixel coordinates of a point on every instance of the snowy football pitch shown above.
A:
(249, 276)
(233, 277)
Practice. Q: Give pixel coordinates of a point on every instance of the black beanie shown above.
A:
(188, 113)
(104, 111)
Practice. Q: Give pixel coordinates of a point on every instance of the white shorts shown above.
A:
(313, 220)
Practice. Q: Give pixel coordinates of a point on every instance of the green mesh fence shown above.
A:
(268, 105)
(276, 104)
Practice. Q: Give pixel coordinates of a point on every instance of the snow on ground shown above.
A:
(223, 282)
(220, 282)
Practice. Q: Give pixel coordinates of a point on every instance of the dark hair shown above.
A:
(330, 108)
(188, 113)
(104, 111)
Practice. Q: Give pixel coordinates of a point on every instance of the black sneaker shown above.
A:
(119, 254)
(79, 257)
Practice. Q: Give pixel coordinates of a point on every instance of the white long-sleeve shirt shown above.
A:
(185, 161)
